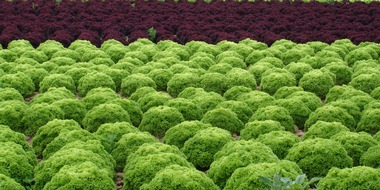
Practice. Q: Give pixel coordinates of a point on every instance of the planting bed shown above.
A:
(222, 95)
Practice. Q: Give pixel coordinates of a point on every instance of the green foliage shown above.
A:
(296, 108)
(369, 121)
(256, 55)
(141, 171)
(189, 110)
(254, 129)
(19, 81)
(240, 108)
(46, 133)
(127, 144)
(279, 141)
(275, 113)
(38, 115)
(357, 55)
(57, 80)
(279, 182)
(318, 82)
(317, 156)
(376, 93)
(16, 163)
(86, 175)
(366, 82)
(200, 148)
(181, 81)
(180, 133)
(256, 99)
(355, 143)
(117, 76)
(158, 120)
(39, 56)
(37, 75)
(237, 154)
(234, 62)
(138, 55)
(223, 118)
(222, 68)
(77, 73)
(132, 107)
(11, 113)
(343, 92)
(73, 109)
(153, 99)
(8, 55)
(9, 135)
(234, 92)
(241, 77)
(134, 81)
(110, 133)
(272, 81)
(94, 80)
(97, 96)
(331, 114)
(53, 94)
(203, 62)
(360, 177)
(9, 183)
(249, 177)
(65, 137)
(325, 130)
(161, 77)
(47, 169)
(351, 107)
(214, 82)
(298, 69)
(66, 53)
(371, 157)
(104, 113)
(342, 72)
(180, 178)
(286, 91)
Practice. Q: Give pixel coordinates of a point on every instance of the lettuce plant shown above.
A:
(356, 178)
(104, 113)
(181, 81)
(331, 114)
(279, 141)
(355, 143)
(82, 175)
(325, 130)
(38, 115)
(189, 110)
(19, 81)
(201, 148)
(134, 81)
(275, 113)
(317, 156)
(318, 82)
(52, 95)
(181, 178)
(250, 176)
(254, 129)
(238, 154)
(11, 113)
(57, 80)
(223, 118)
(49, 131)
(9, 183)
(142, 170)
(94, 80)
(286, 91)
(158, 120)
(110, 133)
(65, 137)
(127, 144)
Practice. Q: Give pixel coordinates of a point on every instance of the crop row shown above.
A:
(158, 110)
(98, 21)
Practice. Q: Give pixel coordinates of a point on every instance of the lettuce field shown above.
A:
(182, 95)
